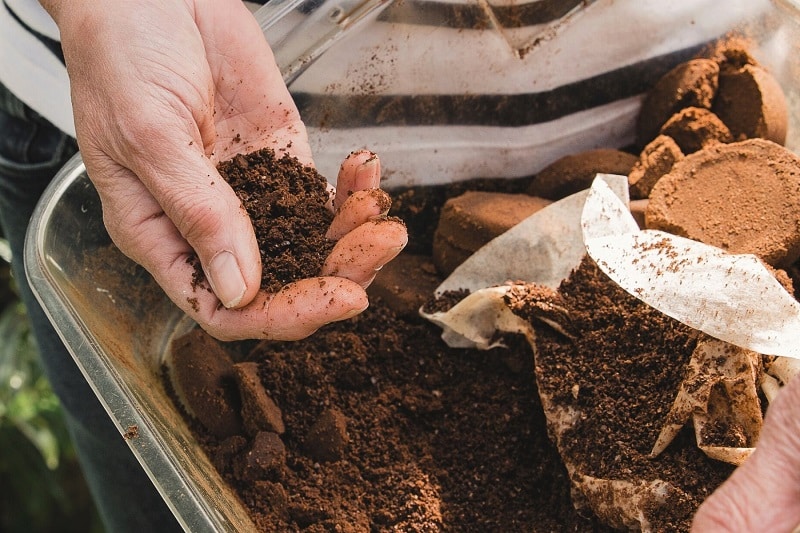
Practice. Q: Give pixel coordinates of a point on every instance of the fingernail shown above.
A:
(368, 174)
(390, 254)
(226, 279)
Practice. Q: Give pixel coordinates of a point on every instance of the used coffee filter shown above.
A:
(734, 300)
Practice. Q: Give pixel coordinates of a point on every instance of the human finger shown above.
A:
(359, 207)
(296, 311)
(764, 493)
(360, 170)
(359, 254)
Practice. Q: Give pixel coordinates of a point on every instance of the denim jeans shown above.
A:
(31, 152)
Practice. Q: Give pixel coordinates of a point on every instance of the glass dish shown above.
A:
(431, 87)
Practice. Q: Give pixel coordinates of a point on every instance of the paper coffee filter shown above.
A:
(473, 322)
(620, 503)
(734, 299)
(717, 366)
(626, 504)
(544, 248)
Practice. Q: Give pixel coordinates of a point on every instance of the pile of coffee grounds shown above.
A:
(286, 202)
(385, 428)
(620, 370)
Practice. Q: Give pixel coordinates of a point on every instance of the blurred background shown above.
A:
(41, 485)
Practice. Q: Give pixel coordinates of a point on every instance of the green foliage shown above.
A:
(42, 486)
(26, 401)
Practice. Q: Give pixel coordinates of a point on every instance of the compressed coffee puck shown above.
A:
(690, 84)
(695, 128)
(752, 104)
(474, 218)
(202, 375)
(575, 172)
(656, 160)
(742, 197)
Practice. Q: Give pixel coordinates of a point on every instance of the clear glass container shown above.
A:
(443, 91)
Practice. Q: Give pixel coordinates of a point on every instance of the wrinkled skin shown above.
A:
(162, 91)
(764, 493)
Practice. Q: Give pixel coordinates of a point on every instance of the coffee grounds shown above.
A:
(741, 197)
(416, 436)
(386, 428)
(621, 371)
(286, 202)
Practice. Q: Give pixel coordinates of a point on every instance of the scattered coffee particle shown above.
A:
(131, 432)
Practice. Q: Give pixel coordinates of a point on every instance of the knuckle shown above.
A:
(197, 218)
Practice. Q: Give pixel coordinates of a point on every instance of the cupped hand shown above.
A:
(764, 493)
(162, 91)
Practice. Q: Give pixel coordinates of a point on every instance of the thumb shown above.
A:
(209, 215)
(204, 217)
(764, 493)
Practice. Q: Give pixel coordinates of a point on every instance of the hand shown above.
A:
(162, 91)
(764, 493)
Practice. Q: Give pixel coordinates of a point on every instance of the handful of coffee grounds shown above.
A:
(286, 203)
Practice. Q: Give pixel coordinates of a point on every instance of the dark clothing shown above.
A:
(31, 152)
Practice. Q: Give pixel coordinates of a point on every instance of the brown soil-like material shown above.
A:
(374, 424)
(383, 427)
(575, 172)
(607, 392)
(388, 429)
(742, 197)
(286, 202)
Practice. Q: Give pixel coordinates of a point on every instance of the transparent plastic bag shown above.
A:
(447, 91)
